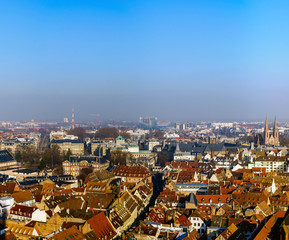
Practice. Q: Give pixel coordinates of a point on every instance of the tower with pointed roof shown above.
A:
(273, 187)
(273, 137)
(266, 132)
(275, 129)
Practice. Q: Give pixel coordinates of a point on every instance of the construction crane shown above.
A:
(111, 121)
(96, 116)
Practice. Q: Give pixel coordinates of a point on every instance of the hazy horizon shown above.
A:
(91, 119)
(176, 60)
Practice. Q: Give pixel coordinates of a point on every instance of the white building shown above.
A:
(149, 145)
(6, 204)
(198, 223)
(274, 164)
(39, 216)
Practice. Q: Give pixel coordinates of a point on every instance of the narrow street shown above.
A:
(157, 189)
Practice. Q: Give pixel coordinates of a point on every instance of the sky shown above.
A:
(177, 60)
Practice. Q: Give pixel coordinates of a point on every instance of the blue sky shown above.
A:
(178, 60)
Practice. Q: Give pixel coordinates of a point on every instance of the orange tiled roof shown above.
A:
(101, 226)
(214, 199)
(266, 229)
(131, 171)
(184, 221)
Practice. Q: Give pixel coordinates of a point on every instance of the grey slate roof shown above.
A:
(5, 156)
(66, 140)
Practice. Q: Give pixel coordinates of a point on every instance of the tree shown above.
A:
(118, 157)
(158, 134)
(52, 156)
(229, 152)
(84, 172)
(42, 164)
(163, 157)
(241, 156)
(18, 156)
(125, 135)
(79, 132)
(284, 141)
(107, 132)
(28, 156)
(58, 170)
(67, 154)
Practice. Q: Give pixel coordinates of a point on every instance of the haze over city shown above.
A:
(144, 119)
(178, 60)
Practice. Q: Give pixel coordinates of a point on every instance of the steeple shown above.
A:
(266, 124)
(266, 132)
(178, 147)
(275, 129)
(275, 133)
(196, 176)
(273, 187)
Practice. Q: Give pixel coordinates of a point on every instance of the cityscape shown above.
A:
(146, 179)
(144, 120)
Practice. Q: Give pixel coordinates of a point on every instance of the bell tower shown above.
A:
(275, 133)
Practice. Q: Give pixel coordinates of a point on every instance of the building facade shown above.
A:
(74, 164)
(75, 146)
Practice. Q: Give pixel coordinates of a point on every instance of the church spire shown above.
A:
(178, 147)
(266, 123)
(275, 133)
(266, 132)
(275, 125)
(273, 187)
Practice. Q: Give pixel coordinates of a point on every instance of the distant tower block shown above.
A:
(72, 120)
(65, 120)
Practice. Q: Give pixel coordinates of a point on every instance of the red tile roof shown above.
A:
(131, 171)
(22, 210)
(186, 176)
(227, 190)
(157, 215)
(266, 229)
(183, 165)
(214, 199)
(184, 221)
(102, 226)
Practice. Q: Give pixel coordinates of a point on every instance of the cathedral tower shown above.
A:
(275, 129)
(266, 132)
(273, 137)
